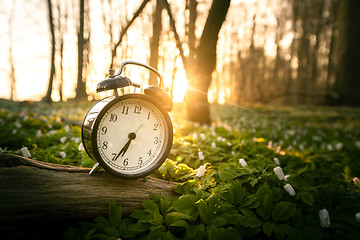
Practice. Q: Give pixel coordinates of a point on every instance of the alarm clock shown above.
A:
(129, 135)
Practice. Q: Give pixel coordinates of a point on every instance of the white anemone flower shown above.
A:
(290, 190)
(201, 155)
(62, 154)
(63, 139)
(279, 173)
(25, 152)
(276, 161)
(81, 147)
(67, 128)
(38, 133)
(213, 145)
(242, 162)
(357, 217)
(324, 218)
(201, 171)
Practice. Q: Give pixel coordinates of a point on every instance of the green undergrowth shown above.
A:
(227, 186)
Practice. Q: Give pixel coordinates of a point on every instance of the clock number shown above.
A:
(156, 140)
(126, 162)
(125, 110)
(114, 156)
(137, 109)
(105, 145)
(156, 125)
(113, 117)
(103, 130)
(149, 152)
(148, 117)
(140, 160)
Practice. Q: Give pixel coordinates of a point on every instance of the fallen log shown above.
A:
(35, 191)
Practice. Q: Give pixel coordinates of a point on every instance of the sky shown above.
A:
(31, 49)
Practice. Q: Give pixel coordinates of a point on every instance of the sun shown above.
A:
(180, 86)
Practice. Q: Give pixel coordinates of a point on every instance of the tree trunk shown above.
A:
(47, 97)
(11, 55)
(154, 45)
(124, 30)
(348, 74)
(81, 85)
(34, 193)
(201, 67)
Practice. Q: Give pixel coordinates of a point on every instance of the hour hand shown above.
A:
(122, 152)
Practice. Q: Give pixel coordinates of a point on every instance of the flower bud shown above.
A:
(324, 218)
(289, 189)
(62, 154)
(25, 152)
(201, 171)
(201, 155)
(242, 162)
(358, 217)
(279, 173)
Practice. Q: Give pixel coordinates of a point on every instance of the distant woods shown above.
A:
(275, 51)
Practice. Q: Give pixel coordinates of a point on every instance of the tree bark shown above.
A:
(37, 192)
(155, 40)
(47, 97)
(81, 84)
(348, 53)
(202, 66)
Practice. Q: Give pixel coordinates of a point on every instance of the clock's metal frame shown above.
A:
(92, 121)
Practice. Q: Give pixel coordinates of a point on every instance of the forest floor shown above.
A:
(282, 172)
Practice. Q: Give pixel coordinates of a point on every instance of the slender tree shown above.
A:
(47, 97)
(61, 29)
(124, 30)
(83, 49)
(11, 56)
(348, 74)
(155, 40)
(199, 69)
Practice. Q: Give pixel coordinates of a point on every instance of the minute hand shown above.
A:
(131, 136)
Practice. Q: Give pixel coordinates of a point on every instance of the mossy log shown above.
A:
(35, 191)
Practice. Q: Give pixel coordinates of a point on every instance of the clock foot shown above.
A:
(94, 168)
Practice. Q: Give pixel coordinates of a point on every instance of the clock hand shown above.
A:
(139, 127)
(131, 137)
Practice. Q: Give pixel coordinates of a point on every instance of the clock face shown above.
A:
(133, 136)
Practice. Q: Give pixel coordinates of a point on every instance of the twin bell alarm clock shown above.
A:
(129, 135)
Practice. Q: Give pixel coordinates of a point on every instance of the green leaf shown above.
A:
(164, 205)
(112, 232)
(196, 232)
(291, 232)
(174, 216)
(149, 204)
(180, 223)
(219, 222)
(139, 214)
(115, 214)
(204, 212)
(250, 220)
(253, 182)
(226, 176)
(186, 204)
(268, 228)
(101, 222)
(140, 227)
(307, 198)
(158, 218)
(283, 210)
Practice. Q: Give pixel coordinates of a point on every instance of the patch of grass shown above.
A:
(261, 173)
